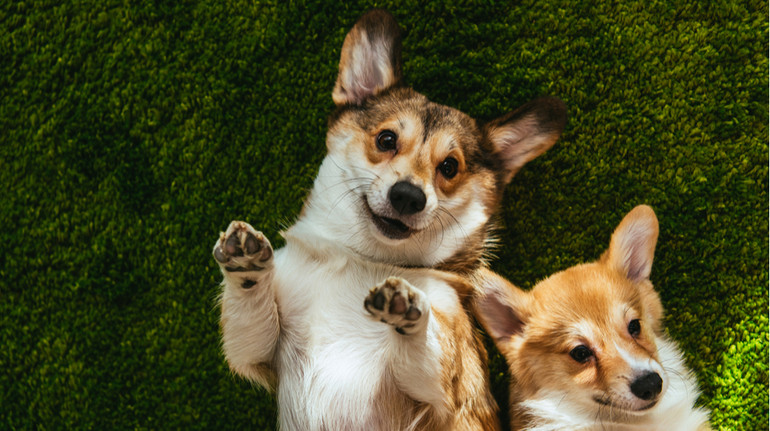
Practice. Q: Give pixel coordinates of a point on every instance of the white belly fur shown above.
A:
(332, 357)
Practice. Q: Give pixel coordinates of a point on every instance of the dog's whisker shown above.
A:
(608, 412)
(355, 233)
(682, 377)
(347, 193)
(598, 415)
(353, 167)
(463, 238)
(434, 227)
(443, 232)
(350, 180)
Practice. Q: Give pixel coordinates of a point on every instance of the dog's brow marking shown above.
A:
(635, 363)
(430, 120)
(583, 329)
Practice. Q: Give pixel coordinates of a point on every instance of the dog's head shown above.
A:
(409, 181)
(586, 336)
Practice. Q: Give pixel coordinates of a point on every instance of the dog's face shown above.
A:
(587, 335)
(414, 181)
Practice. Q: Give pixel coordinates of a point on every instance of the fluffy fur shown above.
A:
(586, 348)
(352, 322)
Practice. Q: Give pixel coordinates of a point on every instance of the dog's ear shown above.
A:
(371, 58)
(501, 307)
(632, 246)
(521, 135)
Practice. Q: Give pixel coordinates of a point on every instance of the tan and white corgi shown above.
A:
(586, 347)
(359, 321)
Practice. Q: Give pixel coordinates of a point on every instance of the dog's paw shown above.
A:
(242, 250)
(399, 304)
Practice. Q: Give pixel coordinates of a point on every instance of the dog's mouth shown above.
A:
(605, 401)
(390, 227)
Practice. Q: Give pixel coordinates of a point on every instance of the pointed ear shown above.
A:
(371, 58)
(521, 135)
(632, 246)
(501, 307)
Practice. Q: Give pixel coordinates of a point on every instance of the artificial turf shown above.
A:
(131, 133)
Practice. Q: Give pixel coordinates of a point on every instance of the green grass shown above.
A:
(131, 133)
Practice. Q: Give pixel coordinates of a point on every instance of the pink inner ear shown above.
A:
(364, 77)
(636, 251)
(370, 60)
(521, 135)
(499, 317)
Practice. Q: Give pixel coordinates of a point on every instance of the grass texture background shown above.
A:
(131, 133)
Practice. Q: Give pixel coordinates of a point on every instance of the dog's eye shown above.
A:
(386, 141)
(634, 328)
(448, 167)
(581, 353)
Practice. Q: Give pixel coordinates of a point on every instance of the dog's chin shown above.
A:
(390, 228)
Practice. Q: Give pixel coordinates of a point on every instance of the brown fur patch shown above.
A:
(466, 376)
(470, 257)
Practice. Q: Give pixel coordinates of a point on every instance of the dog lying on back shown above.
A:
(359, 321)
(586, 347)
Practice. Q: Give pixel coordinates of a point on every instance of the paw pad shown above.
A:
(243, 249)
(396, 303)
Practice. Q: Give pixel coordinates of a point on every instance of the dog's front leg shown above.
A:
(416, 351)
(249, 315)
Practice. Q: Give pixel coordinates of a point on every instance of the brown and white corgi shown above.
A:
(359, 322)
(586, 347)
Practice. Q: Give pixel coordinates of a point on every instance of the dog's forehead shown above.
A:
(440, 118)
(598, 324)
(413, 111)
(586, 293)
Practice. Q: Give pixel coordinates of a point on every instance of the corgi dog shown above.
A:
(360, 322)
(586, 347)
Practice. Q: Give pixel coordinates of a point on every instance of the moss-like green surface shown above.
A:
(131, 133)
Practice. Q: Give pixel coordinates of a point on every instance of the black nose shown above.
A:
(648, 386)
(406, 198)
